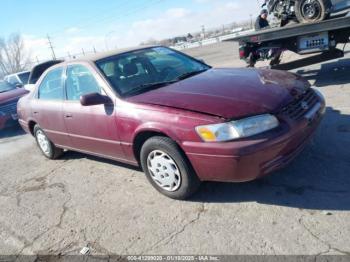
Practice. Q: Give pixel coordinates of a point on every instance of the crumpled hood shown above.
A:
(229, 93)
(12, 94)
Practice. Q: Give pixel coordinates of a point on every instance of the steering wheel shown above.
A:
(167, 73)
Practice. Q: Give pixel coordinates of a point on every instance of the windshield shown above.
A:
(139, 71)
(24, 77)
(5, 86)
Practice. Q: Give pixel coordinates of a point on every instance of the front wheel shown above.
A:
(167, 169)
(309, 11)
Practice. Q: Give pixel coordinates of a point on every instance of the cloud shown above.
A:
(37, 47)
(172, 22)
(177, 12)
(72, 30)
(180, 21)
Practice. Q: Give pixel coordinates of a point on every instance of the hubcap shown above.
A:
(43, 142)
(311, 9)
(163, 170)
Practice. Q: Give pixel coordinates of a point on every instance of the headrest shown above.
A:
(130, 69)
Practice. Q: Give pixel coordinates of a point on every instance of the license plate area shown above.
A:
(313, 43)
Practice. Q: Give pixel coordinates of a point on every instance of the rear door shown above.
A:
(92, 129)
(47, 107)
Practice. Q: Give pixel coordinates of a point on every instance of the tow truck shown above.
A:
(321, 38)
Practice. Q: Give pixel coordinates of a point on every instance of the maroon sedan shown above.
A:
(181, 120)
(9, 96)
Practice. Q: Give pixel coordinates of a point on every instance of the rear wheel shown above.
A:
(309, 11)
(46, 146)
(167, 169)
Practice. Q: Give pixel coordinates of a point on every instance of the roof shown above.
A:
(102, 55)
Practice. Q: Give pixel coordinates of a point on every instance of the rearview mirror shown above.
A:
(94, 99)
(19, 85)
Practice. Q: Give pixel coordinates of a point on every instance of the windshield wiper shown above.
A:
(149, 86)
(189, 74)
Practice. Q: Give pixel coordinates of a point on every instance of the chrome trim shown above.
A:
(311, 113)
(98, 155)
(88, 138)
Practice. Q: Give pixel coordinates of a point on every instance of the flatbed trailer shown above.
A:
(322, 37)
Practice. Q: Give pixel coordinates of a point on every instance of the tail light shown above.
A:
(242, 53)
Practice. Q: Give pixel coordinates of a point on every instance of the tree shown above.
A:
(13, 56)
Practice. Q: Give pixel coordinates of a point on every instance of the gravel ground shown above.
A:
(58, 207)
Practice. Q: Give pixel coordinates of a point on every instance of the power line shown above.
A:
(140, 8)
(109, 18)
(113, 16)
(91, 19)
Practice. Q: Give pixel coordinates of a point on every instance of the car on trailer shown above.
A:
(321, 37)
(305, 11)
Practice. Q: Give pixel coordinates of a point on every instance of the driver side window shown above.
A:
(80, 81)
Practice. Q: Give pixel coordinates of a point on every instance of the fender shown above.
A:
(156, 127)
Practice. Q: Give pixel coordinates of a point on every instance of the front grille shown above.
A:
(301, 105)
(9, 108)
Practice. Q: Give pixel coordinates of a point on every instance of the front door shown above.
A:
(92, 129)
(47, 107)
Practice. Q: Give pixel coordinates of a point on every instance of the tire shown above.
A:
(276, 60)
(162, 153)
(318, 13)
(48, 149)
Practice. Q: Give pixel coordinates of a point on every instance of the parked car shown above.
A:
(37, 71)
(181, 120)
(9, 96)
(19, 79)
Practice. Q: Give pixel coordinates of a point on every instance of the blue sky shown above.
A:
(77, 24)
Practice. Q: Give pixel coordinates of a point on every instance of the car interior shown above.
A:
(80, 82)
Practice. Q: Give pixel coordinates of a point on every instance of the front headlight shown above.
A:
(237, 129)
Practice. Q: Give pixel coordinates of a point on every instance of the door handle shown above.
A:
(35, 112)
(68, 115)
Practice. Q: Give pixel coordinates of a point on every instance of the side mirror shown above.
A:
(29, 87)
(94, 99)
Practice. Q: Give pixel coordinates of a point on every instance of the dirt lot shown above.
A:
(51, 207)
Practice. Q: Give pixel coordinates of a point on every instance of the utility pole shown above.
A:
(251, 21)
(51, 47)
(203, 31)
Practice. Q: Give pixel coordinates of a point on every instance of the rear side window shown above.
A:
(51, 87)
(24, 77)
(80, 81)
